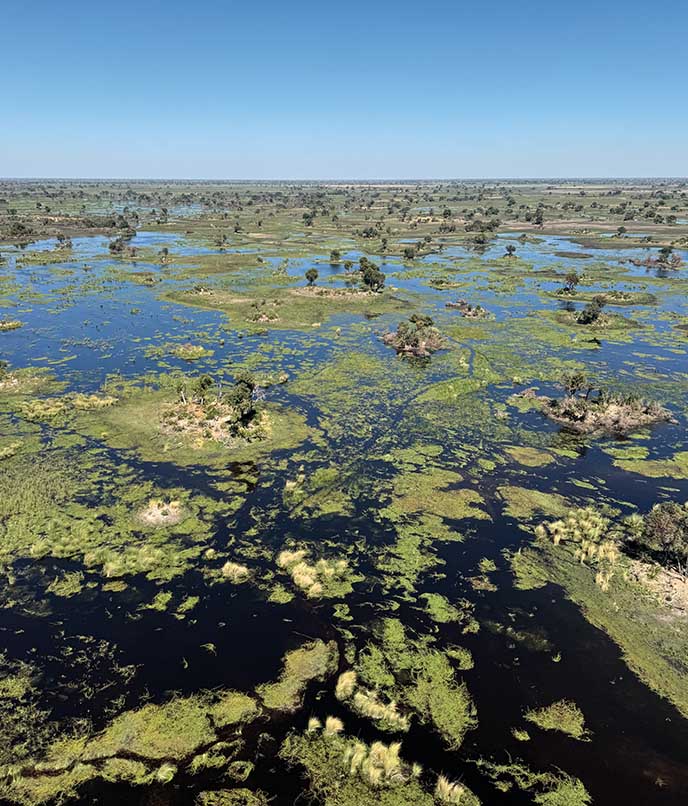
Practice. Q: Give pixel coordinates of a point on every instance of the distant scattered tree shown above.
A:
(335, 256)
(312, 275)
(665, 254)
(510, 250)
(571, 280)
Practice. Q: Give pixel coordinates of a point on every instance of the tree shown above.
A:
(621, 231)
(571, 281)
(312, 275)
(574, 382)
(665, 254)
(591, 312)
(335, 256)
(240, 396)
(510, 250)
(372, 277)
(665, 535)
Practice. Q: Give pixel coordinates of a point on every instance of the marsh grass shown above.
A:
(368, 704)
(322, 578)
(563, 715)
(312, 661)
(235, 572)
(454, 793)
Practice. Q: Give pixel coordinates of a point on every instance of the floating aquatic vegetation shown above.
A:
(440, 609)
(161, 738)
(522, 503)
(530, 457)
(673, 467)
(231, 797)
(49, 408)
(546, 788)
(433, 491)
(190, 352)
(313, 661)
(27, 381)
(319, 493)
(344, 771)
(434, 694)
(10, 324)
(563, 715)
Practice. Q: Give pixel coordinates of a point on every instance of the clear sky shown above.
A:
(349, 89)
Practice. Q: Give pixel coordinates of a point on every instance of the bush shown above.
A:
(591, 313)
(665, 535)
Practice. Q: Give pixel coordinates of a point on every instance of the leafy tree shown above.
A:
(372, 277)
(240, 396)
(665, 254)
(510, 250)
(591, 313)
(311, 275)
(335, 256)
(571, 280)
(575, 382)
(665, 535)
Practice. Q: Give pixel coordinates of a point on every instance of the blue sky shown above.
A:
(354, 89)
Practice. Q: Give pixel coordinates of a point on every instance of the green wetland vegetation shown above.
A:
(343, 493)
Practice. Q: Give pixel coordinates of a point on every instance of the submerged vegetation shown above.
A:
(249, 559)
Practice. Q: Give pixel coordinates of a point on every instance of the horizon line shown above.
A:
(347, 180)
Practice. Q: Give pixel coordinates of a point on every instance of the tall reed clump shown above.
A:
(596, 541)
(314, 579)
(452, 792)
(368, 704)
(379, 765)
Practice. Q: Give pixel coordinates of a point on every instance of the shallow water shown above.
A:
(86, 325)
